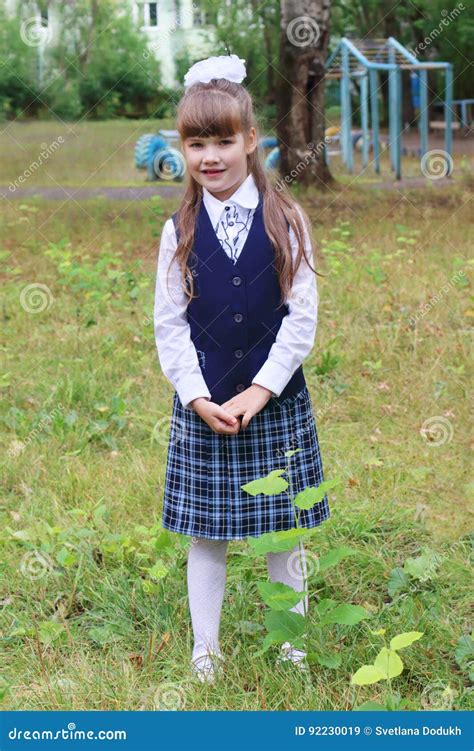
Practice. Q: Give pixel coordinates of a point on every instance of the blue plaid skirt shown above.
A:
(205, 471)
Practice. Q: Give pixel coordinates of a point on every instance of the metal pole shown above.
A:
(448, 111)
(424, 114)
(364, 111)
(374, 112)
(346, 113)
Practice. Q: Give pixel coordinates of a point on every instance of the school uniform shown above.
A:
(232, 335)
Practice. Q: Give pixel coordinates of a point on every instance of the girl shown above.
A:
(235, 315)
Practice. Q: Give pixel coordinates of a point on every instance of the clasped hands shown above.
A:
(224, 418)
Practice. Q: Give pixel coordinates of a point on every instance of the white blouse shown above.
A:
(177, 355)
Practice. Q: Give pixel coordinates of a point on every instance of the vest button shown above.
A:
(240, 387)
(238, 317)
(236, 281)
(238, 353)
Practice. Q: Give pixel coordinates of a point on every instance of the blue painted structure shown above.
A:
(363, 61)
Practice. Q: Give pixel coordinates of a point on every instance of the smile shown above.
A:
(212, 171)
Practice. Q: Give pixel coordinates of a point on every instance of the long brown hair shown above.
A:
(222, 108)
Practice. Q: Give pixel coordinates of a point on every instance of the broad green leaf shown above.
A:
(285, 621)
(292, 452)
(345, 614)
(424, 566)
(271, 484)
(464, 650)
(388, 662)
(404, 640)
(278, 596)
(277, 542)
(333, 557)
(308, 497)
(328, 661)
(367, 674)
(273, 637)
(163, 541)
(370, 706)
(324, 605)
(398, 581)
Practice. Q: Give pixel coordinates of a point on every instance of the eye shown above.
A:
(227, 140)
(191, 145)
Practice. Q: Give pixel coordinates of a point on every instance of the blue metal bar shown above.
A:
(448, 111)
(361, 58)
(395, 45)
(392, 105)
(333, 56)
(398, 123)
(374, 112)
(346, 113)
(364, 113)
(424, 114)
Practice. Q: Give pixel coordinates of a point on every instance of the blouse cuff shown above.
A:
(191, 388)
(273, 377)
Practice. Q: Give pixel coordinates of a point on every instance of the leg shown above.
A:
(289, 567)
(206, 573)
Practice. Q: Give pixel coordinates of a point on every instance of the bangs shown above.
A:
(208, 113)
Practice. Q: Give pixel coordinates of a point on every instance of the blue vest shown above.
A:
(234, 320)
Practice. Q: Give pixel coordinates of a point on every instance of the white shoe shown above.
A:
(296, 656)
(205, 667)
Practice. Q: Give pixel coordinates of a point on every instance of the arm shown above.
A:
(297, 332)
(176, 352)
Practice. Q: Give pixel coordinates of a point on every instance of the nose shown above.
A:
(210, 155)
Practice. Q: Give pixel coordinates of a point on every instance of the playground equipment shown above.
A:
(156, 154)
(363, 62)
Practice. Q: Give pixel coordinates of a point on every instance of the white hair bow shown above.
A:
(230, 67)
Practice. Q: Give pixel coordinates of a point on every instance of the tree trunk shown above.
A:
(304, 38)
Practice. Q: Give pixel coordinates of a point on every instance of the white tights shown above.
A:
(206, 573)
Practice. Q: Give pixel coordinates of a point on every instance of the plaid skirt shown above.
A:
(205, 470)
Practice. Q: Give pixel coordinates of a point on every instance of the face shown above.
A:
(219, 163)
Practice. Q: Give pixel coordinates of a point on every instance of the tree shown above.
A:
(304, 38)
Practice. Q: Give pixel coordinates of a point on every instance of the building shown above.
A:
(172, 26)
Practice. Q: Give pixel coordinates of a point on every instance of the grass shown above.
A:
(86, 621)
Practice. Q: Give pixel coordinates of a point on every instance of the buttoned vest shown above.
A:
(235, 318)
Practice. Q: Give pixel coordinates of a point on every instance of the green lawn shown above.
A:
(94, 606)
